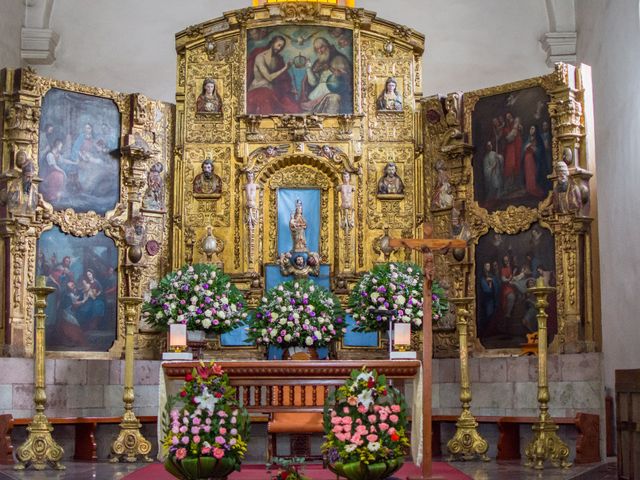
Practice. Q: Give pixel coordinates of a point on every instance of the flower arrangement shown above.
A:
(365, 424)
(289, 468)
(200, 296)
(297, 313)
(210, 430)
(396, 287)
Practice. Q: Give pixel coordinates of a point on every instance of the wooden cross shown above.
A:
(427, 246)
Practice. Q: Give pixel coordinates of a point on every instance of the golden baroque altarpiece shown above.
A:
(427, 141)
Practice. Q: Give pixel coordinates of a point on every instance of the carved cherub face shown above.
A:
(346, 177)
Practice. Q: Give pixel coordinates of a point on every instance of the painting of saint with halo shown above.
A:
(294, 69)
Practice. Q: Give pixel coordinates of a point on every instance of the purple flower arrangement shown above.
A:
(297, 313)
(393, 291)
(200, 296)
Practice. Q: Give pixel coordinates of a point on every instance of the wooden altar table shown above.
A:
(270, 386)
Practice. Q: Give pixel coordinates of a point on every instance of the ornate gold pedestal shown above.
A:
(40, 448)
(466, 444)
(130, 443)
(545, 445)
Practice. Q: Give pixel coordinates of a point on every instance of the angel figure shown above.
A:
(326, 151)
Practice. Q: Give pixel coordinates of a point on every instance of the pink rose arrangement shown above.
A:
(204, 420)
(365, 422)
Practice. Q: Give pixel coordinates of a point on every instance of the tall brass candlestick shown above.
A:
(545, 443)
(130, 443)
(40, 448)
(466, 444)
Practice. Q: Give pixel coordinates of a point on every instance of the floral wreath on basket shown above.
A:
(209, 430)
(396, 287)
(297, 313)
(365, 422)
(201, 296)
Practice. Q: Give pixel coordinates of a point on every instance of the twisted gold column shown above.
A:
(545, 445)
(466, 444)
(40, 448)
(130, 443)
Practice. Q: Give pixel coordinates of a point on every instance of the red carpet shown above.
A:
(156, 471)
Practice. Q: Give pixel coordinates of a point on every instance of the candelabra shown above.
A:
(545, 445)
(130, 442)
(467, 443)
(40, 448)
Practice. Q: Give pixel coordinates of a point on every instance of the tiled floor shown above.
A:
(477, 471)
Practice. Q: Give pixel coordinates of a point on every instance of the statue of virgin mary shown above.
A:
(298, 227)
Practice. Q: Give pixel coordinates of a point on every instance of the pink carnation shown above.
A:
(181, 453)
(383, 426)
(393, 418)
(395, 408)
(362, 408)
(196, 439)
(206, 450)
(372, 437)
(222, 430)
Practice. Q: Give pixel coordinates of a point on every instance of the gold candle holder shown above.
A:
(40, 449)
(545, 445)
(130, 443)
(466, 444)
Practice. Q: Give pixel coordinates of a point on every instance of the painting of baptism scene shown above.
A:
(290, 249)
(81, 313)
(299, 69)
(78, 158)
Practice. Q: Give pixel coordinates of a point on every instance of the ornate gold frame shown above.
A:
(282, 149)
(146, 138)
(447, 127)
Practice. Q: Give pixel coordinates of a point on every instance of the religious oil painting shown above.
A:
(82, 312)
(513, 149)
(299, 69)
(506, 266)
(78, 151)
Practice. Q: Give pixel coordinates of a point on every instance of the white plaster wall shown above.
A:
(129, 46)
(609, 40)
(11, 17)
(472, 44)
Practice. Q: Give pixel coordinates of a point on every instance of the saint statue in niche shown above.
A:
(390, 183)
(251, 192)
(346, 191)
(390, 100)
(298, 227)
(154, 195)
(566, 194)
(209, 100)
(207, 183)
